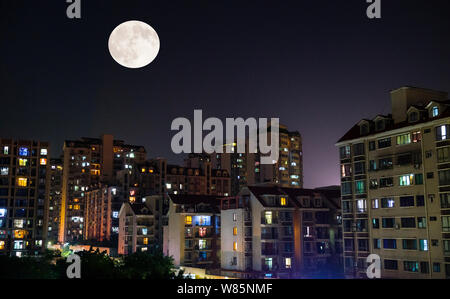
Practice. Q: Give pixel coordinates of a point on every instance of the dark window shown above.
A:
(385, 163)
(410, 244)
(443, 154)
(390, 243)
(360, 168)
(424, 267)
(430, 175)
(372, 146)
(358, 149)
(383, 143)
(349, 245)
(388, 222)
(346, 188)
(405, 159)
(436, 267)
(407, 201)
(445, 200)
(418, 179)
(363, 245)
(386, 182)
(409, 222)
(390, 264)
(444, 177)
(420, 200)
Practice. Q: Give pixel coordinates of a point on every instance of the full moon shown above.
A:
(134, 44)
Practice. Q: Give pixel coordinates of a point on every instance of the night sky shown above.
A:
(320, 66)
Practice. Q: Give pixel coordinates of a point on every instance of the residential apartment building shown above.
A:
(395, 172)
(101, 218)
(245, 169)
(55, 194)
(137, 228)
(270, 231)
(24, 187)
(192, 236)
(88, 162)
(201, 181)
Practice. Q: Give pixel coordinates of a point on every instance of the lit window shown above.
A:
(188, 220)
(4, 171)
(235, 231)
(235, 246)
(18, 223)
(132, 199)
(23, 162)
(22, 182)
(234, 217)
(143, 170)
(268, 217)
(375, 204)
(435, 111)
(43, 152)
(361, 205)
(145, 241)
(416, 137)
(202, 231)
(423, 245)
(76, 207)
(404, 139)
(43, 161)
(6, 150)
(115, 214)
(2, 245)
(288, 263)
(268, 263)
(441, 132)
(19, 234)
(406, 180)
(202, 244)
(18, 245)
(169, 186)
(23, 151)
(283, 201)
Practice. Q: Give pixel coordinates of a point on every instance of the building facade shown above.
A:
(395, 172)
(280, 232)
(192, 236)
(245, 169)
(137, 228)
(89, 162)
(24, 187)
(54, 207)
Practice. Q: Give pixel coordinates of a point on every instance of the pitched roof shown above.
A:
(355, 131)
